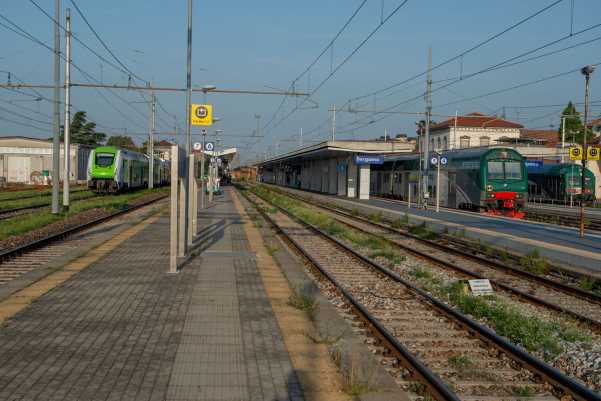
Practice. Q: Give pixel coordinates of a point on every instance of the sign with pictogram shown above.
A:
(576, 153)
(592, 153)
(209, 146)
(201, 114)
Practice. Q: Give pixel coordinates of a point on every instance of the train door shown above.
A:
(452, 195)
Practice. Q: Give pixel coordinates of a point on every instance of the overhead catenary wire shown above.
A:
(465, 52)
(308, 68)
(345, 60)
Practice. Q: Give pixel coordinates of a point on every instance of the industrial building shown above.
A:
(29, 160)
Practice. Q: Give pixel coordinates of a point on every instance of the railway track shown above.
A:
(39, 195)
(563, 218)
(452, 356)
(23, 259)
(8, 213)
(566, 299)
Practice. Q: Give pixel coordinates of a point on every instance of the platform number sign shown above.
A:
(593, 153)
(576, 153)
(201, 114)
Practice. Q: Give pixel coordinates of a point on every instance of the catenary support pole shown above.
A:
(188, 176)
(427, 131)
(173, 221)
(151, 141)
(563, 138)
(586, 71)
(333, 122)
(67, 129)
(203, 185)
(438, 185)
(56, 153)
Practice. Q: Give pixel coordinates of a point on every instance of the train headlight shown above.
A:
(492, 195)
(489, 187)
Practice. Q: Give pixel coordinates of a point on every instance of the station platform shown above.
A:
(124, 329)
(557, 243)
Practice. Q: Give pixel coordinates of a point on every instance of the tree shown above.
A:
(84, 131)
(574, 128)
(122, 141)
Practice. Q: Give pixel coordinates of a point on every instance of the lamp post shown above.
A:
(587, 71)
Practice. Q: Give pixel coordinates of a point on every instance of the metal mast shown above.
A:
(428, 117)
(56, 154)
(67, 129)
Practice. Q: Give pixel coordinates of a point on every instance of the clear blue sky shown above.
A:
(252, 45)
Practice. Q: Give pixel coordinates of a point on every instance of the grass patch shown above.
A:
(534, 263)
(524, 391)
(40, 200)
(530, 332)
(590, 284)
(24, 223)
(461, 361)
(303, 298)
(376, 217)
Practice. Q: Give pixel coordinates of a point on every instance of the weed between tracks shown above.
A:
(24, 223)
(530, 332)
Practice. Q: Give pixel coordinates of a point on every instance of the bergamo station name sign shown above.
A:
(369, 159)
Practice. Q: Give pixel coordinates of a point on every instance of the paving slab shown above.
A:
(124, 329)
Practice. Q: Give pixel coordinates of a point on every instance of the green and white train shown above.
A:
(111, 169)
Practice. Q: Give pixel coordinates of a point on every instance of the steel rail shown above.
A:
(554, 376)
(13, 252)
(40, 195)
(575, 291)
(596, 325)
(38, 206)
(434, 383)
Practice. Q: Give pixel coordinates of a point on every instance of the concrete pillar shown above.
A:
(351, 178)
(333, 177)
(324, 166)
(364, 178)
(341, 176)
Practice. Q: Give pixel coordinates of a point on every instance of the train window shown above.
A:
(495, 170)
(104, 159)
(513, 171)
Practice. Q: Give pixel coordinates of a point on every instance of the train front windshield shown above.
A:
(104, 159)
(509, 170)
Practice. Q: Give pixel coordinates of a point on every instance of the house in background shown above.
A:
(471, 130)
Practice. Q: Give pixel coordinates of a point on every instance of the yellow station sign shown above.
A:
(202, 114)
(593, 153)
(576, 153)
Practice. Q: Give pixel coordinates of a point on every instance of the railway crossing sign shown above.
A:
(576, 153)
(592, 153)
(201, 114)
(209, 146)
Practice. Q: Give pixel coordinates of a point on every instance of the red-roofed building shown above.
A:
(474, 129)
(545, 137)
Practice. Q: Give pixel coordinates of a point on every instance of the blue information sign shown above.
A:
(533, 163)
(369, 159)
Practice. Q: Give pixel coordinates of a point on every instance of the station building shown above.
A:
(339, 167)
(29, 160)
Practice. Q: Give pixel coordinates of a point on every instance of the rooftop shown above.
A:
(476, 120)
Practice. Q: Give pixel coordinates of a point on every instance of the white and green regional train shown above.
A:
(111, 169)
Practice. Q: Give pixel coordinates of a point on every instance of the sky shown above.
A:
(268, 44)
